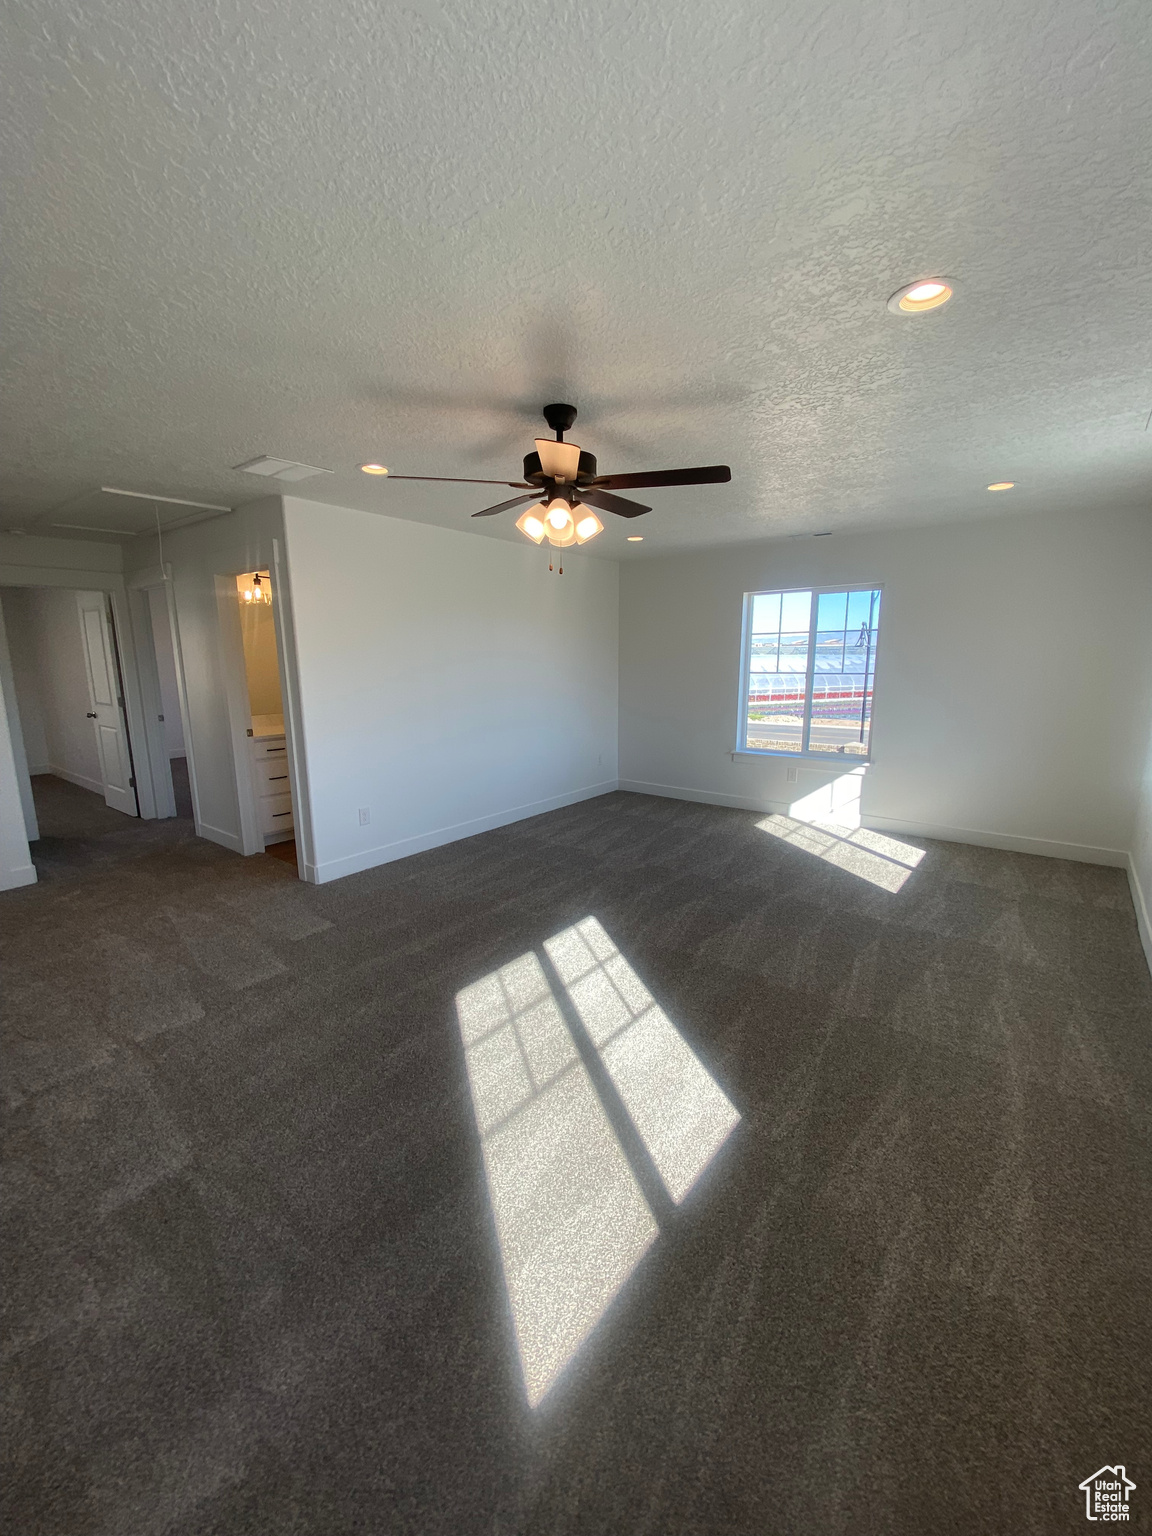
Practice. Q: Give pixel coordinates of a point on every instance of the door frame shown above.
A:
(286, 656)
(143, 742)
(235, 678)
(140, 587)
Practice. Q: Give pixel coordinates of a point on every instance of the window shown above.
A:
(809, 664)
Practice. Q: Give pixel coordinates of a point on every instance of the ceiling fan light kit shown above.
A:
(588, 526)
(562, 537)
(561, 482)
(531, 526)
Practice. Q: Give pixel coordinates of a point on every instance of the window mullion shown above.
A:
(810, 672)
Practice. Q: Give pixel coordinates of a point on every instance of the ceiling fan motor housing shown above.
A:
(536, 476)
(560, 418)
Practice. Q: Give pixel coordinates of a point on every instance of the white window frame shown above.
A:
(827, 759)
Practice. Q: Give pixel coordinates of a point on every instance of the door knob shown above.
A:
(91, 714)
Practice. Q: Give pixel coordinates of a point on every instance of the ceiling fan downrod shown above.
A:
(560, 419)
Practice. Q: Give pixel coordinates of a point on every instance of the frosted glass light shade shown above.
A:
(531, 524)
(562, 536)
(588, 525)
(559, 461)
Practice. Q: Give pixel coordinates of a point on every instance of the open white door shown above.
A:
(107, 698)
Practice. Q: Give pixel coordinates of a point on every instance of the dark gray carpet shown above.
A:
(251, 1277)
(79, 832)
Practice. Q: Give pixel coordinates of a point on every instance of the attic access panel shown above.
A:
(108, 514)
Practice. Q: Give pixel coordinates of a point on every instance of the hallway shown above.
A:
(79, 832)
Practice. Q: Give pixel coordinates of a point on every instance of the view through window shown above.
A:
(811, 661)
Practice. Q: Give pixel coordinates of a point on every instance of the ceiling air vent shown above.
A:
(281, 469)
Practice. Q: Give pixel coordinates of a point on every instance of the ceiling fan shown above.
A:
(561, 479)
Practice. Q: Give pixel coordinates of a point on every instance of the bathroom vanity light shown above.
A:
(256, 591)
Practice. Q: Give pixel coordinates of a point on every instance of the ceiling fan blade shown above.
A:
(595, 497)
(707, 474)
(506, 506)
(516, 485)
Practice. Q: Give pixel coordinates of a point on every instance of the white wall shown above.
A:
(16, 866)
(447, 682)
(44, 633)
(1140, 864)
(16, 733)
(166, 671)
(1012, 693)
(257, 624)
(25, 676)
(29, 560)
(221, 546)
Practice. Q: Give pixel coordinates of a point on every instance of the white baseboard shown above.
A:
(77, 778)
(386, 853)
(22, 874)
(705, 796)
(218, 835)
(1140, 902)
(1081, 853)
(1084, 853)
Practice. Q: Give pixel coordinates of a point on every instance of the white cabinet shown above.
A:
(269, 759)
(271, 774)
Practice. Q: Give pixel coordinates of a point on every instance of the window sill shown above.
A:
(809, 759)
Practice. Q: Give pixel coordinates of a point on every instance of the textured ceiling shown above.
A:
(110, 516)
(358, 231)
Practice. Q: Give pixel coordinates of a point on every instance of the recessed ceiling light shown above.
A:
(373, 469)
(927, 293)
(1002, 485)
(635, 538)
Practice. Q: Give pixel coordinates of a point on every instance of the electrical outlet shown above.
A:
(365, 815)
(790, 774)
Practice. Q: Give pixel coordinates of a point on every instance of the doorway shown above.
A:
(263, 758)
(87, 767)
(65, 688)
